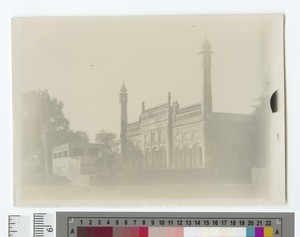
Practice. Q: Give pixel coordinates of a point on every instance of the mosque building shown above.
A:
(169, 136)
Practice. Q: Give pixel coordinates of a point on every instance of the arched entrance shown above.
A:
(177, 157)
(187, 156)
(197, 156)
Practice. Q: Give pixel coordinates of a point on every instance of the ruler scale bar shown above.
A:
(93, 224)
(18, 226)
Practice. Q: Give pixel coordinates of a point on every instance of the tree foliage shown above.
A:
(77, 137)
(42, 116)
(261, 104)
(109, 141)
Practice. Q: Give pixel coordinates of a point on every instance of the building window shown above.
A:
(59, 154)
(54, 155)
(65, 154)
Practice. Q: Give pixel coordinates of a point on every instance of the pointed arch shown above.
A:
(197, 155)
(187, 156)
(177, 157)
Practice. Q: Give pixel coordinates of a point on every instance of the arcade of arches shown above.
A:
(184, 157)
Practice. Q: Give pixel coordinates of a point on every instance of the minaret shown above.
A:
(206, 91)
(170, 133)
(143, 107)
(123, 100)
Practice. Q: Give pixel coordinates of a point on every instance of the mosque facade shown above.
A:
(169, 136)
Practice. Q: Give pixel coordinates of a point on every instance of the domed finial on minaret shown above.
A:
(206, 54)
(143, 106)
(169, 98)
(206, 45)
(123, 89)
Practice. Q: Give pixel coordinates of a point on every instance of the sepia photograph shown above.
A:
(149, 110)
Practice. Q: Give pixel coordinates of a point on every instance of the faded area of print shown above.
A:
(148, 110)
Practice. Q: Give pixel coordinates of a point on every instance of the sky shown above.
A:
(83, 62)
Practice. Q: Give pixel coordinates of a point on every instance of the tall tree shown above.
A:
(42, 118)
(40, 114)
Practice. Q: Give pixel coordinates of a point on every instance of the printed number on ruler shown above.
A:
(43, 225)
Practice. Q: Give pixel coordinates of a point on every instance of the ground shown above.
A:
(71, 195)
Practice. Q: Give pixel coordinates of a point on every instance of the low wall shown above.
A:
(77, 169)
(150, 177)
(87, 171)
(90, 164)
(68, 167)
(166, 176)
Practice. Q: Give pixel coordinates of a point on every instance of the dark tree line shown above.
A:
(109, 142)
(42, 116)
(43, 122)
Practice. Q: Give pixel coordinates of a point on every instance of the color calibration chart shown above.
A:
(176, 224)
